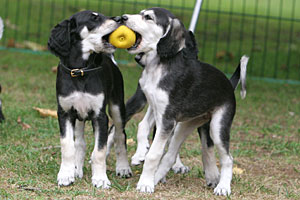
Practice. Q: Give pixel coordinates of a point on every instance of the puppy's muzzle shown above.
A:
(120, 19)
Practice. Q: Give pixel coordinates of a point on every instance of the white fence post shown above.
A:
(195, 15)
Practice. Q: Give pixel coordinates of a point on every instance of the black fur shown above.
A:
(205, 131)
(170, 44)
(163, 16)
(60, 40)
(136, 103)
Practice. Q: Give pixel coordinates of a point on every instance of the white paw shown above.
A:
(160, 176)
(124, 172)
(162, 180)
(139, 156)
(212, 179)
(180, 169)
(101, 183)
(145, 188)
(65, 177)
(145, 184)
(137, 159)
(222, 190)
(78, 172)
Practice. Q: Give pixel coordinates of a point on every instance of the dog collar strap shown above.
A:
(79, 72)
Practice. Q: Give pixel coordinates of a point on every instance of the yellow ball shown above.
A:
(122, 37)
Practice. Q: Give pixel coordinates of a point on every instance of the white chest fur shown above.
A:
(82, 103)
(149, 82)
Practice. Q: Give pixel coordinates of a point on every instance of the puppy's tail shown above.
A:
(240, 76)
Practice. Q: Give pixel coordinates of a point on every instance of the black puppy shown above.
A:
(1, 113)
(88, 80)
(183, 94)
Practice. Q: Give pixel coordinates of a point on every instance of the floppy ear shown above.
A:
(59, 41)
(173, 41)
(190, 50)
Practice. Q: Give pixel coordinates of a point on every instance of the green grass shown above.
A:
(272, 44)
(265, 140)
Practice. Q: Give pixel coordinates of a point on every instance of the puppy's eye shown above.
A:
(148, 17)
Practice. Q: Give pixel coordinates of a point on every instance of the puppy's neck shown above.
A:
(150, 58)
(76, 60)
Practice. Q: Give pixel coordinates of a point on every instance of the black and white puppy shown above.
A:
(87, 81)
(183, 94)
(137, 103)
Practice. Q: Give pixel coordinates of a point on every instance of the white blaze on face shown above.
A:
(92, 40)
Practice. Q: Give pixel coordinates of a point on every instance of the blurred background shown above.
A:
(266, 30)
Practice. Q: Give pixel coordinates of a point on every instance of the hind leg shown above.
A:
(219, 131)
(179, 167)
(212, 175)
(110, 139)
(135, 104)
(122, 166)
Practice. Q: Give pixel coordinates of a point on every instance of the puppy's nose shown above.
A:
(117, 19)
(124, 18)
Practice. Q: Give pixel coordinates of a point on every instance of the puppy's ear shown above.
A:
(173, 41)
(59, 41)
(190, 50)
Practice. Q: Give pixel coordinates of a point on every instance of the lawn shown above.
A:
(265, 141)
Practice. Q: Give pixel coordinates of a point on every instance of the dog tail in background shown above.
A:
(1, 27)
(240, 75)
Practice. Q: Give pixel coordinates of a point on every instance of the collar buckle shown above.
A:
(76, 72)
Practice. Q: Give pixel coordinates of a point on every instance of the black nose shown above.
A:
(117, 19)
(124, 18)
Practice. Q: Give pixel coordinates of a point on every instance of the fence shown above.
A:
(267, 30)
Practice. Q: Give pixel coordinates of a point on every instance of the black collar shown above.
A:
(78, 72)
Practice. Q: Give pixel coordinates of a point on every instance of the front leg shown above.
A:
(153, 157)
(66, 174)
(99, 177)
(80, 147)
(144, 130)
(182, 130)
